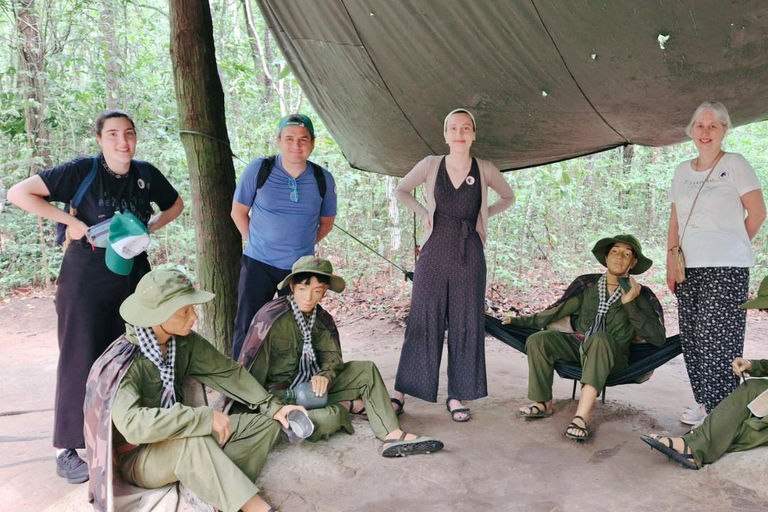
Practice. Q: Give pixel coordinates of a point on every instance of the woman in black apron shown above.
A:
(89, 293)
(449, 279)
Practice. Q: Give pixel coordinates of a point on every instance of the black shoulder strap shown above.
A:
(264, 171)
(85, 185)
(320, 177)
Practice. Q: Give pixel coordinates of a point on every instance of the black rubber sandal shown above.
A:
(536, 411)
(454, 412)
(400, 406)
(361, 412)
(574, 426)
(401, 448)
(685, 459)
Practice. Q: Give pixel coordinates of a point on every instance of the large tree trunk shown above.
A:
(212, 175)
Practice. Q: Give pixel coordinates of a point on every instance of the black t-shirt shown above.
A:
(107, 194)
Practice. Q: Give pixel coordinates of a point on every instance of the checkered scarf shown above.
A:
(603, 307)
(151, 350)
(308, 363)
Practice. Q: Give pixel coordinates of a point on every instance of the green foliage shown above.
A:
(561, 209)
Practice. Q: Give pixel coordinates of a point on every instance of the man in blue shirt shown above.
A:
(292, 211)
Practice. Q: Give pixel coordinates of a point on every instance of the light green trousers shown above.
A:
(222, 477)
(597, 357)
(358, 379)
(725, 429)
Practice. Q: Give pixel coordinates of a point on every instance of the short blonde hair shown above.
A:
(721, 113)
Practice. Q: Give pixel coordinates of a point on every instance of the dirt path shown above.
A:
(497, 461)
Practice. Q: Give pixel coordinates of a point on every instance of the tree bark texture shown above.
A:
(32, 62)
(31, 51)
(212, 175)
(111, 51)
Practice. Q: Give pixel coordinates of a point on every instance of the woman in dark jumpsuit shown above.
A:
(449, 280)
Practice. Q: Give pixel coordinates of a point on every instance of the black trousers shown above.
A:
(88, 302)
(258, 284)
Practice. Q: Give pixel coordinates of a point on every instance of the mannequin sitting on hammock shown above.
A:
(608, 318)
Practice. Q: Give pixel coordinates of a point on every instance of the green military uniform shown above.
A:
(176, 444)
(277, 365)
(605, 352)
(731, 427)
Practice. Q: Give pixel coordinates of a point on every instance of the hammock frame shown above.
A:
(643, 357)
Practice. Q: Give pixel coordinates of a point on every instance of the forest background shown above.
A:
(64, 61)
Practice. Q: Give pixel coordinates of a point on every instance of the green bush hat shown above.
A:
(314, 265)
(642, 264)
(761, 301)
(159, 295)
(297, 120)
(128, 237)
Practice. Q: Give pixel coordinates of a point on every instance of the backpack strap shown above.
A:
(320, 177)
(265, 170)
(85, 184)
(267, 163)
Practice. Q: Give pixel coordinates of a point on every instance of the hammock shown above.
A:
(643, 357)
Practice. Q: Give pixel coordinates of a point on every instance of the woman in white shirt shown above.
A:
(716, 239)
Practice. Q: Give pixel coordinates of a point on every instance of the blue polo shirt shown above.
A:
(281, 231)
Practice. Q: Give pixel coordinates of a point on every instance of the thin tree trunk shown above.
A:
(627, 154)
(395, 236)
(32, 62)
(31, 52)
(212, 176)
(111, 53)
(261, 54)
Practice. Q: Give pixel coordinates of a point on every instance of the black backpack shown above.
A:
(266, 169)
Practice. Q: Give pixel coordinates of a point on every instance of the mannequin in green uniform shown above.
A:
(739, 423)
(293, 340)
(609, 318)
(158, 438)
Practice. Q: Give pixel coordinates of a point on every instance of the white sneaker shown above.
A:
(694, 417)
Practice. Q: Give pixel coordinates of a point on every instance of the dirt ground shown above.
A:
(497, 462)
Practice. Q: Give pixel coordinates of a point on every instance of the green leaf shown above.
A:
(284, 73)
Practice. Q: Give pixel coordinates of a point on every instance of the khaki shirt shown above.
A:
(278, 359)
(623, 322)
(136, 412)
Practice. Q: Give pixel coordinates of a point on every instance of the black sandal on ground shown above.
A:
(535, 411)
(400, 447)
(361, 412)
(685, 459)
(454, 412)
(399, 406)
(574, 426)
